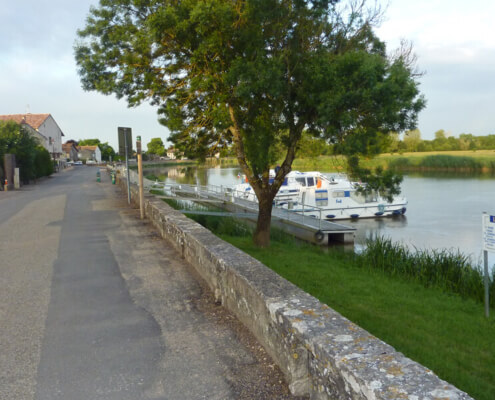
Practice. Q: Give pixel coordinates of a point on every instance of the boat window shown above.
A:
(302, 181)
(338, 194)
(311, 181)
(321, 197)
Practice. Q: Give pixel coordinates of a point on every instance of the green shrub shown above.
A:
(43, 164)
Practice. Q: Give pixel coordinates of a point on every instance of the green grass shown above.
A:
(420, 303)
(442, 331)
(448, 270)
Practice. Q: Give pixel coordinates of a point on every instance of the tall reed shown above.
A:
(439, 162)
(447, 269)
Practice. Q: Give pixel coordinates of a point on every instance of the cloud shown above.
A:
(39, 74)
(454, 44)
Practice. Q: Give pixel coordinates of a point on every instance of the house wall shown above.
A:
(50, 129)
(98, 155)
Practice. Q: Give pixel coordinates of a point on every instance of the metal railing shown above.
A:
(230, 194)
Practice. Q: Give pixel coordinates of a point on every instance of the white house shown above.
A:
(44, 128)
(90, 153)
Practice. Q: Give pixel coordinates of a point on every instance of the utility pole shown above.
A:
(140, 173)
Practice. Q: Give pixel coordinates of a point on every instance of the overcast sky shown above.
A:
(453, 39)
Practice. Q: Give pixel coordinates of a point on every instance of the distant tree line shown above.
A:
(410, 141)
(32, 159)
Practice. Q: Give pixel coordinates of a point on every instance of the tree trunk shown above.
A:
(261, 235)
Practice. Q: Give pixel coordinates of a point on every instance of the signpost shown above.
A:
(140, 173)
(488, 224)
(125, 147)
(125, 141)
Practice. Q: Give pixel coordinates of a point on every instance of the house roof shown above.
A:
(67, 147)
(33, 120)
(91, 148)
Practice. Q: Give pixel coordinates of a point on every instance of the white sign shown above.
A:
(489, 232)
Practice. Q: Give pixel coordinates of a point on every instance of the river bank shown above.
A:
(421, 317)
(427, 324)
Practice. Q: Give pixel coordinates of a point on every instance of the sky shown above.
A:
(454, 42)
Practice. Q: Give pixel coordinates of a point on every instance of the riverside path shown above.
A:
(95, 305)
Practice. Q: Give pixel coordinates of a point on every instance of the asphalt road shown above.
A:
(94, 305)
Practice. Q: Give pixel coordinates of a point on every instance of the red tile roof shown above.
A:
(92, 148)
(67, 147)
(33, 120)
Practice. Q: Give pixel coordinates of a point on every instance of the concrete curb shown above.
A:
(322, 354)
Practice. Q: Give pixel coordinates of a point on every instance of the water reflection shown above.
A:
(193, 175)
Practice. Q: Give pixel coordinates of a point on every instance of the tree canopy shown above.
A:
(255, 74)
(156, 147)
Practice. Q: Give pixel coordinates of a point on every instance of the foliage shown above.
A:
(43, 164)
(439, 162)
(89, 142)
(30, 157)
(412, 139)
(156, 147)
(256, 74)
(448, 270)
(443, 141)
(107, 151)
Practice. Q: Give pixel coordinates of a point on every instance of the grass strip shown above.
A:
(391, 293)
(440, 330)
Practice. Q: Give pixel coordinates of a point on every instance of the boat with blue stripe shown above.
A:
(327, 197)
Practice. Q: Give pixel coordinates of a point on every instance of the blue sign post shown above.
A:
(488, 224)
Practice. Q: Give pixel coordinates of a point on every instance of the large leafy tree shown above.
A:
(156, 147)
(252, 73)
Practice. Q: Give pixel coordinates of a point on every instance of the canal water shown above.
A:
(444, 210)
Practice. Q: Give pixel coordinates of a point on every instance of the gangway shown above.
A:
(311, 229)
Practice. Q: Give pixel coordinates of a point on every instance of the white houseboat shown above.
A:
(330, 198)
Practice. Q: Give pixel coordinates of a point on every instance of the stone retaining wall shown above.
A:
(322, 354)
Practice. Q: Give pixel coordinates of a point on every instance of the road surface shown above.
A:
(95, 305)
